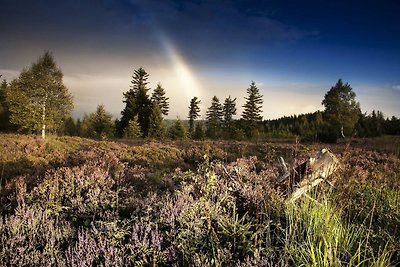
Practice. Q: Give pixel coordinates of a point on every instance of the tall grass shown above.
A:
(316, 235)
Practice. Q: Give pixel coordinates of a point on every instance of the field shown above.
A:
(68, 201)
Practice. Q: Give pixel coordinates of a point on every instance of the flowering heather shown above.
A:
(191, 204)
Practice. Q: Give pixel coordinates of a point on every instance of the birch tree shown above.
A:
(342, 111)
(39, 101)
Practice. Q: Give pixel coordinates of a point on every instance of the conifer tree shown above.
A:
(133, 131)
(252, 107)
(194, 112)
(38, 98)
(229, 110)
(70, 127)
(159, 97)
(137, 102)
(100, 124)
(177, 130)
(157, 127)
(214, 117)
(198, 131)
(5, 124)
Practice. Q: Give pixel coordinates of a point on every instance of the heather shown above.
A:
(68, 201)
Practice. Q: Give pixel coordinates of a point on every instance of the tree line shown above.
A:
(39, 102)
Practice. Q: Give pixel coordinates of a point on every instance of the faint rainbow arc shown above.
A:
(189, 85)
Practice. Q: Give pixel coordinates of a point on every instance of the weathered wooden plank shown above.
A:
(319, 169)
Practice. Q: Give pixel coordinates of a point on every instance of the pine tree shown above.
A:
(194, 112)
(214, 117)
(341, 110)
(229, 110)
(133, 131)
(157, 127)
(79, 130)
(5, 124)
(199, 132)
(137, 102)
(100, 124)
(38, 99)
(70, 127)
(144, 111)
(177, 130)
(252, 107)
(159, 97)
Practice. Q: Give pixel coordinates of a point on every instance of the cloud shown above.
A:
(396, 87)
(91, 90)
(211, 31)
(9, 74)
(378, 97)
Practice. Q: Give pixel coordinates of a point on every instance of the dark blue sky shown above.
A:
(294, 50)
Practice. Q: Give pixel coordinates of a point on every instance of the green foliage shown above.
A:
(392, 126)
(228, 110)
(309, 127)
(373, 125)
(316, 236)
(99, 124)
(5, 124)
(199, 131)
(70, 128)
(133, 130)
(160, 99)
(368, 203)
(214, 117)
(194, 112)
(341, 109)
(144, 110)
(157, 127)
(137, 102)
(177, 130)
(38, 99)
(252, 107)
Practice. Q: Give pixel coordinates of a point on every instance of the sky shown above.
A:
(294, 51)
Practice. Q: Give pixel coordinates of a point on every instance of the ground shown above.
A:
(68, 201)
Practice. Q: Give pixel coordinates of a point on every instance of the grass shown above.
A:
(317, 236)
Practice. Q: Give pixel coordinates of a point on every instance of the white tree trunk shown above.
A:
(44, 118)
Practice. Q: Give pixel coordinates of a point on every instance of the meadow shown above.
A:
(70, 201)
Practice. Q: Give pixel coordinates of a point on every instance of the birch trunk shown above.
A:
(44, 118)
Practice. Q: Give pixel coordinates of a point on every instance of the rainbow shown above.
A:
(184, 75)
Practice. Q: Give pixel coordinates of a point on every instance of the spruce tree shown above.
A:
(252, 107)
(137, 102)
(38, 98)
(194, 112)
(159, 97)
(199, 132)
(5, 124)
(157, 127)
(177, 130)
(70, 127)
(143, 110)
(229, 110)
(214, 117)
(100, 124)
(133, 131)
